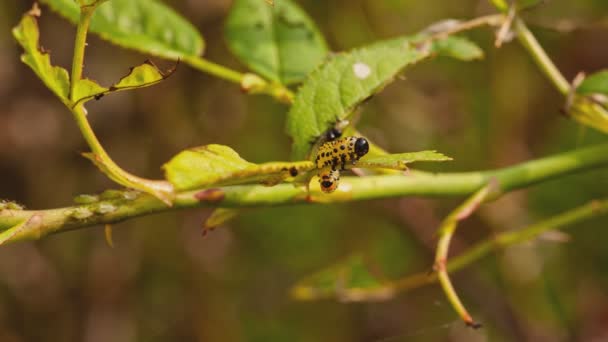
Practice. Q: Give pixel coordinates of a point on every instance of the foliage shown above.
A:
(282, 46)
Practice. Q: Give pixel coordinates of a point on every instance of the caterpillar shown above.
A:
(334, 155)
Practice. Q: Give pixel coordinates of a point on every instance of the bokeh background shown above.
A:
(164, 282)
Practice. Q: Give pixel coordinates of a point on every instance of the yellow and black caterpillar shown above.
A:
(334, 155)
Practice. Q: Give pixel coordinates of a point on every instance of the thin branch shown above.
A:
(249, 82)
(446, 231)
(21, 225)
(541, 58)
(159, 188)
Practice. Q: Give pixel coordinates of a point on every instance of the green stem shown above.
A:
(161, 189)
(44, 222)
(446, 231)
(249, 82)
(86, 12)
(564, 220)
(211, 68)
(539, 55)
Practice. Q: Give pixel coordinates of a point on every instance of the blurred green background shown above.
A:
(164, 282)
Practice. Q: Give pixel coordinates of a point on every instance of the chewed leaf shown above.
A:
(332, 91)
(141, 76)
(27, 34)
(148, 26)
(86, 89)
(220, 165)
(399, 161)
(279, 42)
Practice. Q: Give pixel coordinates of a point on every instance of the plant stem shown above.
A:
(161, 189)
(564, 220)
(249, 82)
(446, 231)
(211, 68)
(80, 42)
(44, 222)
(539, 55)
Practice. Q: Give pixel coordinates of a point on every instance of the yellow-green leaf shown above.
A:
(220, 165)
(141, 76)
(220, 216)
(399, 161)
(28, 35)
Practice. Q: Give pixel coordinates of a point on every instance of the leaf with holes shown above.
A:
(141, 76)
(148, 26)
(279, 42)
(28, 35)
(220, 165)
(332, 91)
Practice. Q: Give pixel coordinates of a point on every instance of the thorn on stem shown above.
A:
(473, 325)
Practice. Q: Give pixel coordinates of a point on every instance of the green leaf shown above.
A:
(459, 48)
(594, 84)
(148, 26)
(503, 5)
(332, 91)
(141, 76)
(279, 42)
(220, 165)
(399, 161)
(27, 34)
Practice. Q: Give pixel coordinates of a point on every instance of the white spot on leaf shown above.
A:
(361, 70)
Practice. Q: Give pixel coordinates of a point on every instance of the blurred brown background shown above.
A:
(164, 282)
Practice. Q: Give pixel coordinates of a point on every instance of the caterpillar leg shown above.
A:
(329, 180)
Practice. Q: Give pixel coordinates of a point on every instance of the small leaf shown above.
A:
(279, 42)
(220, 165)
(590, 110)
(218, 217)
(503, 5)
(27, 34)
(399, 161)
(349, 280)
(141, 76)
(87, 89)
(459, 48)
(594, 84)
(332, 92)
(148, 26)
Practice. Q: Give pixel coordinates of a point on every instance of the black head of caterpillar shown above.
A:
(329, 180)
(340, 152)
